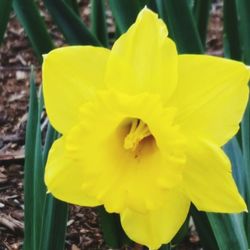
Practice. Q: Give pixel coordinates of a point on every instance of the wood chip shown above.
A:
(12, 158)
(16, 96)
(11, 223)
(3, 178)
(70, 222)
(21, 75)
(74, 247)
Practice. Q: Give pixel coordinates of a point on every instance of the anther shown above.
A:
(138, 131)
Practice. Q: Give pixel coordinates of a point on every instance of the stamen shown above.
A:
(138, 131)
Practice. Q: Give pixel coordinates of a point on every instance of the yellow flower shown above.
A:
(142, 129)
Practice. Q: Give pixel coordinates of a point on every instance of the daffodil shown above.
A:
(142, 129)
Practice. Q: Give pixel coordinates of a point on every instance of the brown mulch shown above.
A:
(16, 57)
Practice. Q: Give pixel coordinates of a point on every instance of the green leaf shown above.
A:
(124, 12)
(5, 9)
(55, 212)
(34, 26)
(30, 145)
(232, 45)
(165, 247)
(233, 150)
(98, 21)
(109, 228)
(112, 230)
(34, 188)
(51, 136)
(204, 229)
(73, 5)
(201, 11)
(191, 4)
(183, 30)
(152, 5)
(54, 224)
(229, 228)
(245, 130)
(143, 3)
(38, 184)
(243, 8)
(229, 231)
(72, 27)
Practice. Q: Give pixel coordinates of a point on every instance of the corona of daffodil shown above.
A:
(142, 129)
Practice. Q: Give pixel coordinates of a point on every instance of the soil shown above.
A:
(16, 58)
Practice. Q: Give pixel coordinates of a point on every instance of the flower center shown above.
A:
(138, 131)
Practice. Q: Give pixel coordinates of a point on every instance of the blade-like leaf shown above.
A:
(229, 228)
(233, 150)
(73, 5)
(232, 46)
(191, 4)
(183, 30)
(201, 11)
(229, 231)
(39, 186)
(34, 26)
(72, 27)
(5, 9)
(112, 230)
(243, 8)
(55, 212)
(245, 130)
(51, 136)
(109, 228)
(54, 223)
(30, 143)
(152, 5)
(143, 3)
(204, 229)
(124, 12)
(98, 21)
(165, 247)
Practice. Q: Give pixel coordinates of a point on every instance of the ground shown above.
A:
(16, 57)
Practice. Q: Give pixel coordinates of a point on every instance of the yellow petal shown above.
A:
(71, 76)
(144, 59)
(64, 178)
(208, 179)
(158, 226)
(212, 94)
